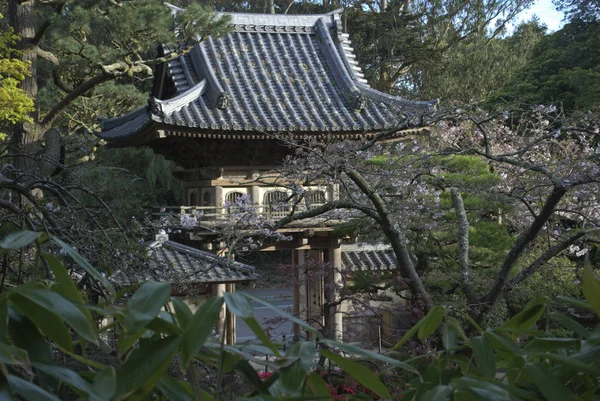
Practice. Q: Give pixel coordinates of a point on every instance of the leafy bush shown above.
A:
(160, 341)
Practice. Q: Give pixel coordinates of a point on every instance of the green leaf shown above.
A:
(431, 322)
(438, 393)
(55, 303)
(580, 303)
(250, 373)
(10, 355)
(413, 330)
(550, 344)
(317, 386)
(289, 316)
(175, 390)
(292, 377)
(354, 350)
(484, 390)
(529, 315)
(449, 335)
(66, 286)
(360, 372)
(126, 340)
(183, 314)
(200, 328)
(239, 305)
(20, 239)
(549, 385)
(502, 343)
(3, 319)
(104, 385)
(5, 393)
(83, 263)
(66, 376)
(484, 356)
(29, 391)
(570, 324)
(591, 286)
(571, 362)
(160, 325)
(260, 333)
(146, 365)
(145, 304)
(25, 335)
(48, 322)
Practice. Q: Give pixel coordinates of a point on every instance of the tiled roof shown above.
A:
(272, 74)
(367, 257)
(183, 265)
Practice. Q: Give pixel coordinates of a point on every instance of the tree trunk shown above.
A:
(27, 136)
(27, 144)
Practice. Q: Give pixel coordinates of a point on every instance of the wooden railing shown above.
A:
(192, 215)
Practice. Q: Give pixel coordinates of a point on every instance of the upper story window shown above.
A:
(206, 198)
(230, 200)
(277, 202)
(193, 198)
(314, 198)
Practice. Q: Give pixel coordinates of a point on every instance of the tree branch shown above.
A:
(463, 243)
(522, 243)
(546, 256)
(395, 233)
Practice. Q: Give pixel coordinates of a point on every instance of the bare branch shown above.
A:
(463, 243)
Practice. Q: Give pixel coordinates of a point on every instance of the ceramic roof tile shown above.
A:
(272, 74)
(183, 265)
(366, 257)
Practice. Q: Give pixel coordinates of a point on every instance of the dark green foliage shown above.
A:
(563, 70)
(508, 361)
(131, 181)
(579, 9)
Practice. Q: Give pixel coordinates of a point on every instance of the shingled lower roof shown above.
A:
(272, 74)
(183, 265)
(368, 257)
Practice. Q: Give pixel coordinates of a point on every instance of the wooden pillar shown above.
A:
(219, 291)
(230, 319)
(301, 301)
(217, 199)
(256, 198)
(335, 315)
(315, 289)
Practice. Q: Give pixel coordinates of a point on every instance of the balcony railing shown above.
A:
(193, 216)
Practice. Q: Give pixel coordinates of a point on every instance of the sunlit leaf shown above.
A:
(20, 239)
(146, 364)
(591, 286)
(550, 386)
(361, 373)
(55, 303)
(145, 304)
(83, 263)
(200, 328)
(484, 356)
(431, 321)
(30, 391)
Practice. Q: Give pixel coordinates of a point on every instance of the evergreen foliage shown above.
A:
(562, 70)
(15, 105)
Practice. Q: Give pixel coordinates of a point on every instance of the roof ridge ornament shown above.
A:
(223, 101)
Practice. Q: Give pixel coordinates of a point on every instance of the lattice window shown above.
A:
(314, 198)
(277, 203)
(206, 198)
(231, 198)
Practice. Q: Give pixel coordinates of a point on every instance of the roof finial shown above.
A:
(162, 236)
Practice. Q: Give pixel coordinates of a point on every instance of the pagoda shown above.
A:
(221, 110)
